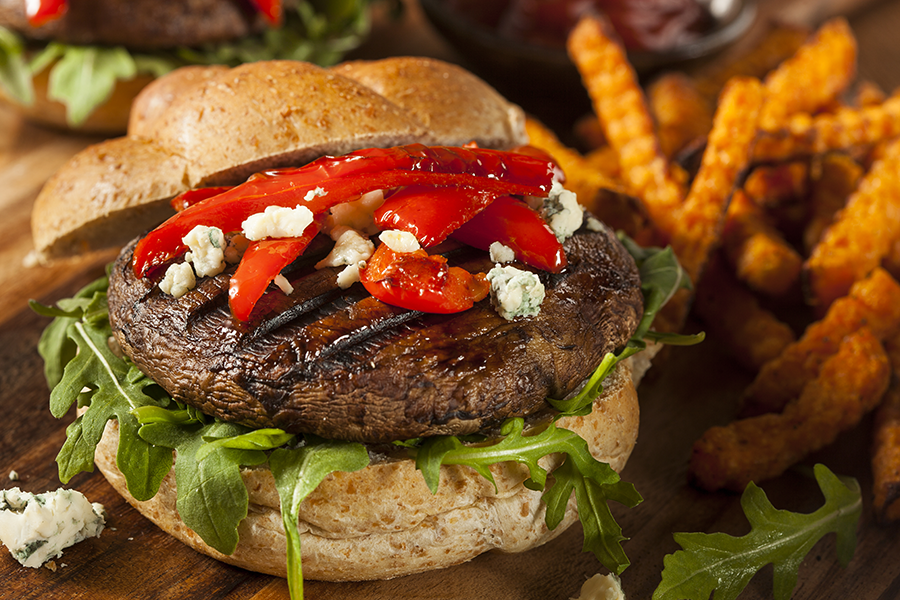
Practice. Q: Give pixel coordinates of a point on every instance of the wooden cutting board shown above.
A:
(696, 388)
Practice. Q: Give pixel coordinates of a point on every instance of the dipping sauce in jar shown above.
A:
(655, 25)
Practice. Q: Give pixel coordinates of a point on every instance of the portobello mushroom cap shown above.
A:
(343, 365)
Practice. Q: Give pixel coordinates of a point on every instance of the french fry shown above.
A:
(726, 157)
(605, 160)
(732, 315)
(863, 233)
(818, 72)
(848, 128)
(621, 107)
(850, 384)
(682, 113)
(778, 43)
(588, 130)
(886, 444)
(759, 254)
(868, 93)
(775, 185)
(873, 302)
(836, 178)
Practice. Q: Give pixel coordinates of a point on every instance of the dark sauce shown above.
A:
(655, 25)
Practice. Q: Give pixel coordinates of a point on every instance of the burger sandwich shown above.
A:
(377, 337)
(79, 63)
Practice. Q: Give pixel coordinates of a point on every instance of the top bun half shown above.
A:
(202, 126)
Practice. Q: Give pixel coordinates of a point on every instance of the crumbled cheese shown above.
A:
(602, 587)
(358, 215)
(562, 211)
(350, 275)
(594, 224)
(237, 245)
(178, 280)
(350, 247)
(207, 253)
(399, 241)
(37, 527)
(515, 293)
(13, 475)
(313, 194)
(277, 222)
(500, 253)
(283, 284)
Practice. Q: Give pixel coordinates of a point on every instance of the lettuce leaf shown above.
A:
(15, 76)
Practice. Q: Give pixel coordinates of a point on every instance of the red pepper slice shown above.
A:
(431, 213)
(515, 225)
(271, 10)
(192, 197)
(40, 12)
(262, 262)
(418, 281)
(332, 180)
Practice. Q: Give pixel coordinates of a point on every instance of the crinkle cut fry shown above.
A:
(759, 254)
(886, 444)
(847, 128)
(726, 157)
(811, 79)
(850, 384)
(873, 302)
(863, 233)
(733, 315)
(682, 114)
(837, 177)
(622, 110)
(779, 43)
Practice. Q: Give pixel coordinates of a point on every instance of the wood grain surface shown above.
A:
(694, 389)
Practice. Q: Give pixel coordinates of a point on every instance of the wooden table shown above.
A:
(695, 389)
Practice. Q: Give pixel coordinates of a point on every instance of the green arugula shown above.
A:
(725, 564)
(110, 388)
(15, 78)
(299, 471)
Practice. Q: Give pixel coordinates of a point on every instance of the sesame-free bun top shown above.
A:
(202, 126)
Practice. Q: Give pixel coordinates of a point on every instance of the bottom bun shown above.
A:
(383, 521)
(110, 118)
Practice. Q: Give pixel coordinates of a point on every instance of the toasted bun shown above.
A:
(400, 528)
(110, 118)
(217, 126)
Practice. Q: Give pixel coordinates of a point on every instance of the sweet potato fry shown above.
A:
(835, 179)
(621, 108)
(777, 44)
(605, 160)
(868, 93)
(873, 302)
(760, 256)
(861, 236)
(847, 128)
(850, 384)
(886, 444)
(682, 113)
(819, 71)
(732, 315)
(726, 157)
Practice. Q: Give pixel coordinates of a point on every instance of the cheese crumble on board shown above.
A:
(38, 527)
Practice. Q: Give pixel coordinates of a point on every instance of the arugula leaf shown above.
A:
(212, 499)
(15, 76)
(725, 564)
(299, 471)
(114, 387)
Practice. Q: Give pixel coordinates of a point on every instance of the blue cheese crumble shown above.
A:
(207, 252)
(38, 527)
(562, 212)
(515, 293)
(277, 222)
(500, 253)
(351, 248)
(178, 280)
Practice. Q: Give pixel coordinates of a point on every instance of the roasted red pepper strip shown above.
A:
(418, 281)
(515, 225)
(192, 197)
(431, 213)
(332, 180)
(271, 10)
(40, 12)
(261, 263)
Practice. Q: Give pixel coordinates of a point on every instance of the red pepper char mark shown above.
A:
(469, 183)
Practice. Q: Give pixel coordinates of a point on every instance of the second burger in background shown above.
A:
(78, 63)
